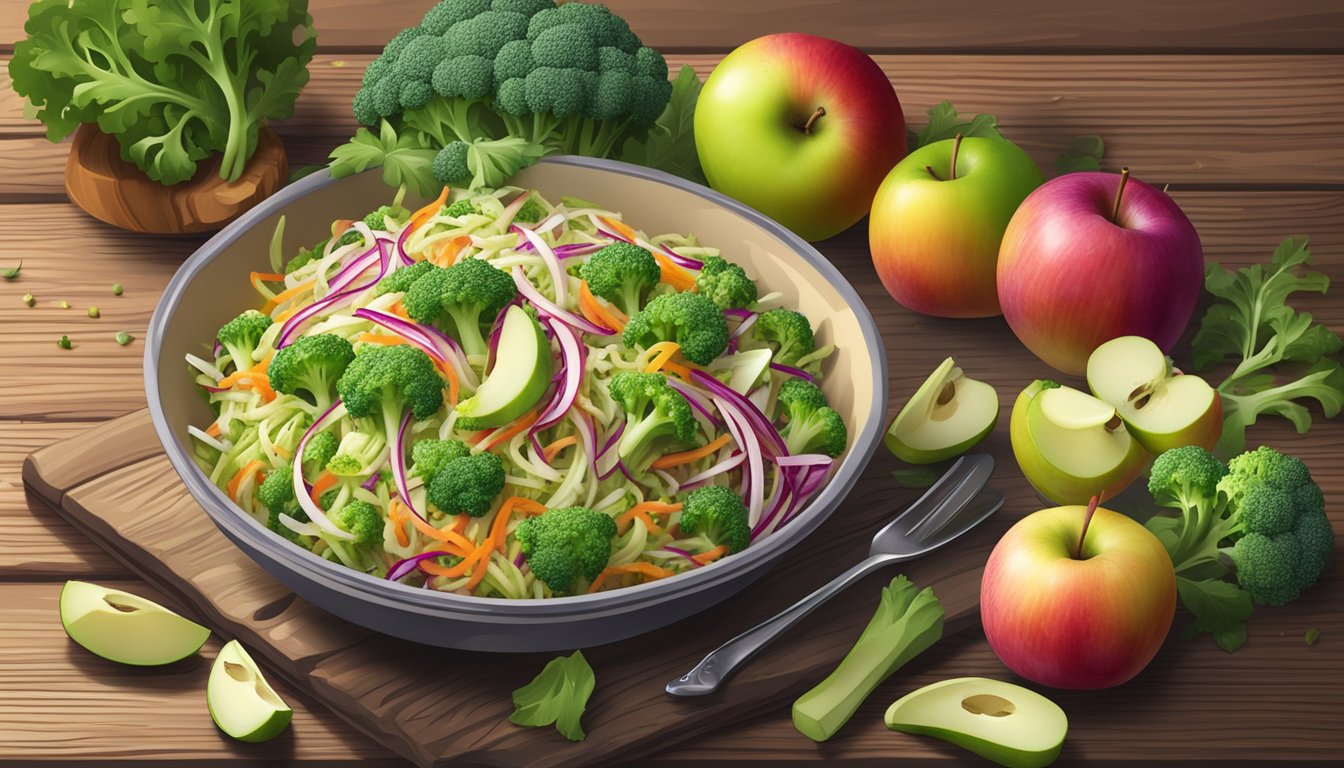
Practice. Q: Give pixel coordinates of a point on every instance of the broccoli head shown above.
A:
(726, 284)
(388, 381)
(429, 456)
(717, 513)
(401, 279)
(241, 335)
(786, 332)
(812, 426)
(621, 273)
(311, 364)
(467, 485)
(657, 418)
(305, 256)
(1185, 477)
(461, 300)
(689, 319)
(361, 519)
(458, 210)
(531, 212)
(567, 547)
(319, 451)
(276, 492)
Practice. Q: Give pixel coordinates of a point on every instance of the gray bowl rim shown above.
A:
(358, 586)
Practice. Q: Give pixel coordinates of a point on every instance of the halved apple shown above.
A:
(947, 416)
(1072, 446)
(240, 700)
(521, 374)
(1006, 723)
(1161, 410)
(127, 628)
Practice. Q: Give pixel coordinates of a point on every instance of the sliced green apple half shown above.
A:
(1161, 410)
(127, 628)
(520, 376)
(947, 416)
(1072, 446)
(240, 700)
(999, 721)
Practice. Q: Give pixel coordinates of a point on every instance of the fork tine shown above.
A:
(962, 481)
(969, 516)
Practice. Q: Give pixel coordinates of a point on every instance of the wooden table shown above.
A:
(1238, 106)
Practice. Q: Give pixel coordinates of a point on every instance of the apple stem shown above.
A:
(811, 121)
(1087, 521)
(956, 145)
(1119, 193)
(929, 168)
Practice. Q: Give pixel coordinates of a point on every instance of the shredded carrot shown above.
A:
(384, 339)
(447, 253)
(257, 278)
(446, 535)
(399, 310)
(672, 274)
(460, 523)
(620, 228)
(394, 513)
(644, 511)
(288, 313)
(504, 435)
(249, 469)
(652, 572)
(686, 457)
(214, 430)
(253, 379)
(559, 445)
(499, 528)
(665, 357)
(478, 573)
(325, 481)
(599, 312)
(281, 451)
(452, 572)
(450, 373)
(339, 226)
(287, 294)
(711, 555)
(424, 214)
(659, 507)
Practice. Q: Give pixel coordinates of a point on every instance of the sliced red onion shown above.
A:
(740, 314)
(780, 498)
(685, 262)
(770, 440)
(403, 568)
(496, 328)
(606, 456)
(549, 307)
(512, 209)
(626, 471)
(728, 464)
(611, 439)
(558, 277)
(571, 250)
(519, 559)
(682, 554)
(217, 349)
(398, 459)
(369, 484)
(695, 398)
(524, 245)
(216, 389)
(740, 426)
(315, 513)
(604, 231)
(427, 338)
(328, 303)
(735, 337)
(401, 245)
(790, 370)
(355, 266)
(572, 363)
(583, 425)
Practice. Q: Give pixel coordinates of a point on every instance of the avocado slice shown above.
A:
(240, 700)
(999, 721)
(127, 628)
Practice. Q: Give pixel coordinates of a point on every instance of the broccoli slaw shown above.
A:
(670, 417)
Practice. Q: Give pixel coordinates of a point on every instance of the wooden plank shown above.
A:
(1031, 25)
(38, 543)
(62, 703)
(1262, 119)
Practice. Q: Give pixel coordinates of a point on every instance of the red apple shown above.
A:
(1089, 257)
(1071, 619)
(801, 128)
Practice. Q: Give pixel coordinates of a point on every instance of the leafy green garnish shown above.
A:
(945, 123)
(1084, 154)
(405, 159)
(1312, 636)
(670, 144)
(1220, 609)
(1252, 325)
(558, 695)
(12, 272)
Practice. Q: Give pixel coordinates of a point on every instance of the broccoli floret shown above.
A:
(657, 418)
(361, 519)
(689, 319)
(241, 335)
(621, 273)
(717, 513)
(1261, 519)
(385, 382)
(461, 299)
(429, 456)
(467, 485)
(726, 284)
(786, 332)
(531, 212)
(273, 523)
(305, 256)
(320, 449)
(276, 492)
(567, 547)
(403, 278)
(311, 364)
(459, 209)
(359, 452)
(812, 426)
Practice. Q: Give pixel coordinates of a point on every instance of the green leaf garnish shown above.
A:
(405, 159)
(13, 272)
(558, 695)
(670, 144)
(1312, 636)
(1083, 154)
(1220, 608)
(945, 123)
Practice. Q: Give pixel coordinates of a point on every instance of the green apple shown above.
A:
(1072, 446)
(1161, 410)
(240, 700)
(999, 721)
(521, 374)
(948, 414)
(126, 628)
(937, 220)
(801, 128)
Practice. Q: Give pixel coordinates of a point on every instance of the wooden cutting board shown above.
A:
(441, 707)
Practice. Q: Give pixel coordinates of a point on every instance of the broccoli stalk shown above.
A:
(385, 382)
(241, 335)
(567, 547)
(908, 620)
(460, 299)
(621, 273)
(1261, 519)
(812, 426)
(276, 493)
(689, 319)
(311, 364)
(320, 450)
(717, 513)
(658, 418)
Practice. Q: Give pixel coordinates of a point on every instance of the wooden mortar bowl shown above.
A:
(115, 191)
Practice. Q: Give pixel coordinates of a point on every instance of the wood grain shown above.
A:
(59, 699)
(1260, 119)
(1032, 25)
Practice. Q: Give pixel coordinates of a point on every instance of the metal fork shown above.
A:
(898, 541)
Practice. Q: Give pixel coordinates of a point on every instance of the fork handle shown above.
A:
(722, 662)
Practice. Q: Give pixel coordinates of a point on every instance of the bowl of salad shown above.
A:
(548, 416)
